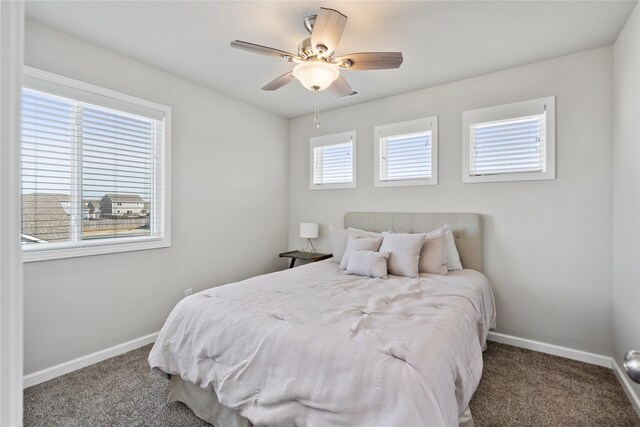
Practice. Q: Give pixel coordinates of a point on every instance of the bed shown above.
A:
(315, 346)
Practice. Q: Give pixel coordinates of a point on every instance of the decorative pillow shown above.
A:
(362, 233)
(405, 252)
(453, 258)
(359, 244)
(340, 237)
(368, 263)
(451, 252)
(433, 253)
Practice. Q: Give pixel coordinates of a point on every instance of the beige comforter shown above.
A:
(314, 346)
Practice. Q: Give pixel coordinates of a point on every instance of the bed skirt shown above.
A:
(204, 403)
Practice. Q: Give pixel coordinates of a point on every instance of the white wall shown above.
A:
(547, 246)
(229, 211)
(11, 319)
(626, 190)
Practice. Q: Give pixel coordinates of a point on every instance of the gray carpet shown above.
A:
(526, 388)
(518, 388)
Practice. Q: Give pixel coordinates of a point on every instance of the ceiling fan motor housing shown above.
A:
(309, 22)
(305, 50)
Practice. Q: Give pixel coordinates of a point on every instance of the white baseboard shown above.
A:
(626, 386)
(556, 350)
(84, 361)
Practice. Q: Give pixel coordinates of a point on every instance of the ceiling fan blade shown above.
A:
(327, 31)
(262, 50)
(370, 60)
(341, 88)
(279, 82)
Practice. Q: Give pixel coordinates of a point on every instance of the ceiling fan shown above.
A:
(317, 68)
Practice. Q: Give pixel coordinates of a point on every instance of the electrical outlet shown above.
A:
(188, 292)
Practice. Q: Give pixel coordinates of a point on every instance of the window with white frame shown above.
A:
(333, 161)
(95, 170)
(513, 142)
(406, 153)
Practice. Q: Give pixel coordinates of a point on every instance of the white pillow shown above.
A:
(340, 237)
(453, 258)
(405, 252)
(359, 244)
(433, 253)
(368, 263)
(362, 233)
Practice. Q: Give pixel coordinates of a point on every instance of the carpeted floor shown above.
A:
(518, 388)
(526, 388)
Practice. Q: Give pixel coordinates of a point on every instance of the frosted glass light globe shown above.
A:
(316, 75)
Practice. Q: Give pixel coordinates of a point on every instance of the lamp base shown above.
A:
(308, 248)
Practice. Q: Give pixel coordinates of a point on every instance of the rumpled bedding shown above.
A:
(315, 346)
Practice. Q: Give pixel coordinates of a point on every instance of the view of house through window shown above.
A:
(88, 172)
(112, 150)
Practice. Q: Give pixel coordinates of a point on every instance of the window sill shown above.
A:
(530, 176)
(344, 186)
(406, 183)
(61, 251)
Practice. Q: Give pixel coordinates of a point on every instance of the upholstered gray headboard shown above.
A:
(466, 227)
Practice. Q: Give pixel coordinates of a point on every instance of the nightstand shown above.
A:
(294, 255)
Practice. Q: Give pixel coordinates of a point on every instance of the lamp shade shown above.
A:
(309, 230)
(316, 75)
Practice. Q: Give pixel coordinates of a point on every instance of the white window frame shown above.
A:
(403, 128)
(333, 139)
(57, 250)
(506, 112)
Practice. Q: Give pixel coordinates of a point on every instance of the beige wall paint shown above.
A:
(626, 191)
(229, 207)
(547, 246)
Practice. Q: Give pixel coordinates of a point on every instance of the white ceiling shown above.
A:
(441, 41)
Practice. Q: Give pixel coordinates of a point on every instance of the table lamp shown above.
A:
(308, 230)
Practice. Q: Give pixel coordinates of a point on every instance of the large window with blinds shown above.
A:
(514, 142)
(333, 161)
(95, 170)
(406, 153)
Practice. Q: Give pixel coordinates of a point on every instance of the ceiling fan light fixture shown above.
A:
(316, 75)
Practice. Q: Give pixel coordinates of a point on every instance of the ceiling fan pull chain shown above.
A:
(316, 109)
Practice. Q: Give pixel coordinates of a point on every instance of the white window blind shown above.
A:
(511, 142)
(406, 153)
(405, 157)
(332, 164)
(333, 161)
(509, 146)
(91, 175)
(46, 168)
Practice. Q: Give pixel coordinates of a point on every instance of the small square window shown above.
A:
(406, 153)
(513, 142)
(333, 161)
